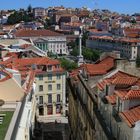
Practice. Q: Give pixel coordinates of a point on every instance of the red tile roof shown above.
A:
(122, 39)
(119, 78)
(128, 95)
(132, 32)
(7, 75)
(35, 33)
(29, 83)
(30, 61)
(101, 68)
(111, 99)
(101, 85)
(124, 80)
(131, 116)
(24, 65)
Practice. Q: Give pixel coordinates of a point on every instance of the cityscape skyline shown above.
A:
(127, 7)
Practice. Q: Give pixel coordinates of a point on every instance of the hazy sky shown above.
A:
(122, 6)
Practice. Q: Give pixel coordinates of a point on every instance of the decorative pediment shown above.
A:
(40, 40)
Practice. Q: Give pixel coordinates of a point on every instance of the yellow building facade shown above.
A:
(51, 95)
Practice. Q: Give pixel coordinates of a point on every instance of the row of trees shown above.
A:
(21, 15)
(89, 54)
(17, 17)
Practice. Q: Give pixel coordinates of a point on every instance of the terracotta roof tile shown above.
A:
(111, 99)
(128, 95)
(122, 39)
(7, 75)
(101, 68)
(101, 85)
(29, 84)
(119, 78)
(35, 33)
(24, 65)
(131, 116)
(124, 80)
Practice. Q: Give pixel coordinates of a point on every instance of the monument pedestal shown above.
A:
(80, 60)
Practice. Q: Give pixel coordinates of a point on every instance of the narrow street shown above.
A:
(52, 131)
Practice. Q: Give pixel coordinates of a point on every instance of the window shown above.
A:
(58, 86)
(58, 97)
(134, 52)
(40, 99)
(49, 109)
(40, 77)
(49, 67)
(49, 87)
(57, 66)
(58, 76)
(58, 109)
(49, 76)
(40, 87)
(41, 111)
(49, 98)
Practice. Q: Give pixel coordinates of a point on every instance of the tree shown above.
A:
(47, 23)
(29, 9)
(74, 52)
(84, 38)
(17, 17)
(88, 53)
(71, 45)
(67, 64)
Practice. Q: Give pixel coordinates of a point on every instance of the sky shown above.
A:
(121, 6)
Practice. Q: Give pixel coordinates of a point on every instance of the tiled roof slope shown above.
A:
(24, 65)
(111, 99)
(131, 116)
(102, 67)
(7, 75)
(119, 78)
(35, 33)
(128, 95)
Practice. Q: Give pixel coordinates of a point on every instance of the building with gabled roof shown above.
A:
(118, 95)
(98, 94)
(50, 79)
(46, 40)
(43, 92)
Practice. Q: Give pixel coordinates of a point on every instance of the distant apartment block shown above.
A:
(39, 12)
(58, 18)
(128, 47)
